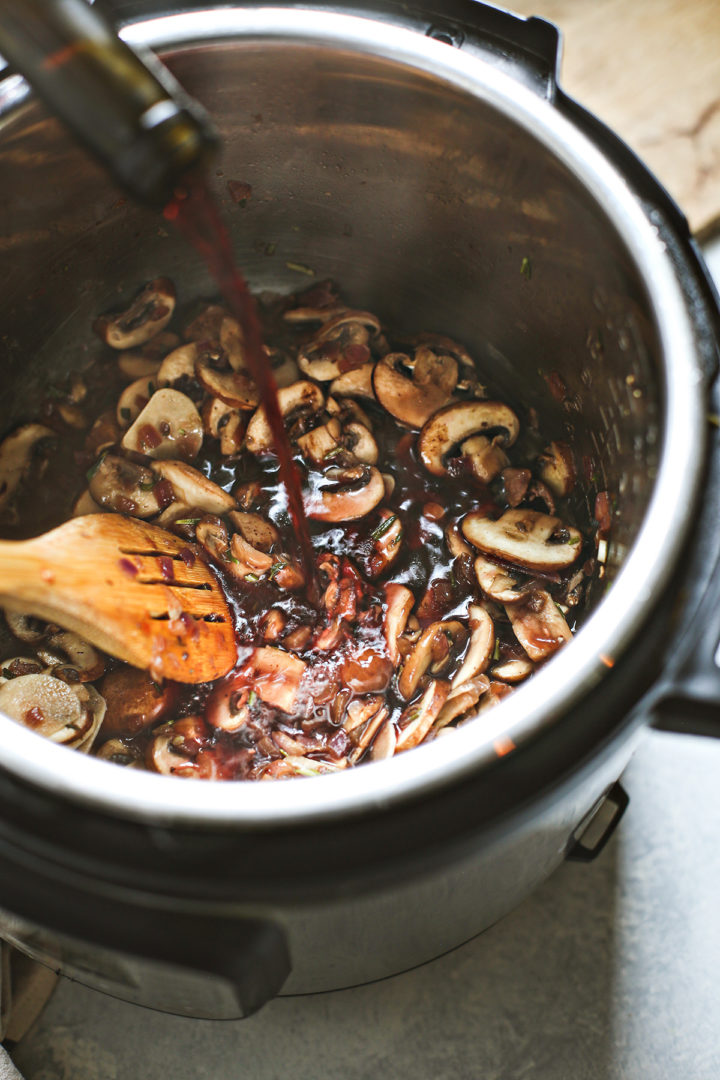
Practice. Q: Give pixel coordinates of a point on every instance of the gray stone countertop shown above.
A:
(609, 971)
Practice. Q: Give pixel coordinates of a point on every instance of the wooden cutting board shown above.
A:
(651, 70)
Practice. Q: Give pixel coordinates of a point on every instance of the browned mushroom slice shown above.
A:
(454, 424)
(539, 625)
(485, 457)
(173, 748)
(270, 674)
(124, 487)
(430, 653)
(255, 529)
(212, 535)
(232, 342)
(498, 582)
(358, 382)
(359, 491)
(104, 433)
(360, 443)
(180, 363)
(149, 313)
(307, 314)
(340, 345)
(467, 373)
(134, 702)
(557, 468)
(234, 387)
(455, 542)
(119, 753)
(322, 444)
(16, 454)
(363, 719)
(192, 488)
(168, 427)
(248, 562)
(302, 397)
(399, 604)
(414, 400)
(416, 721)
(480, 650)
(69, 649)
(133, 400)
(385, 742)
(53, 708)
(460, 699)
(525, 537)
(513, 671)
(387, 543)
(27, 628)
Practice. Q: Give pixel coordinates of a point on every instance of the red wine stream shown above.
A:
(195, 213)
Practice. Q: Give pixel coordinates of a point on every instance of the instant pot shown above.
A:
(423, 156)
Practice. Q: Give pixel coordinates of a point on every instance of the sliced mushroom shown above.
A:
(525, 537)
(145, 361)
(16, 453)
(124, 487)
(485, 457)
(321, 445)
(454, 424)
(300, 397)
(309, 314)
(212, 535)
(414, 400)
(133, 400)
(104, 433)
(255, 529)
(180, 364)
(192, 488)
(416, 721)
(53, 708)
(358, 382)
(69, 649)
(467, 373)
(461, 698)
(363, 719)
(249, 563)
(455, 542)
(360, 443)
(119, 753)
(557, 468)
(360, 490)
(149, 313)
(539, 625)
(399, 602)
(232, 342)
(168, 427)
(174, 748)
(340, 345)
(27, 628)
(271, 674)
(134, 702)
(480, 650)
(385, 742)
(387, 543)
(234, 387)
(498, 582)
(513, 671)
(430, 653)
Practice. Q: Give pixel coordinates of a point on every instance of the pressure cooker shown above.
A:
(423, 155)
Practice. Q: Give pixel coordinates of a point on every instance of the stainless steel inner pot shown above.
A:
(444, 189)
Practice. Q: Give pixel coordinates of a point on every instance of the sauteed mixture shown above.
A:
(447, 570)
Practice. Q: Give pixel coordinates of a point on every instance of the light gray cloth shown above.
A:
(7, 1069)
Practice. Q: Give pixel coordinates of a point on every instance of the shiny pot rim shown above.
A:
(587, 660)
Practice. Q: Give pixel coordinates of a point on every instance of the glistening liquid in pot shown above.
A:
(195, 213)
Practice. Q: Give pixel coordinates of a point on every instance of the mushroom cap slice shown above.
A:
(498, 582)
(412, 401)
(15, 455)
(299, 396)
(454, 424)
(53, 708)
(480, 650)
(361, 490)
(526, 538)
(168, 427)
(271, 673)
(358, 382)
(178, 364)
(147, 315)
(234, 387)
(133, 400)
(539, 625)
(123, 486)
(194, 489)
(399, 603)
(417, 719)
(557, 468)
(339, 345)
(431, 652)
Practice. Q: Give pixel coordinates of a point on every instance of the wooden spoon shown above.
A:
(137, 592)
